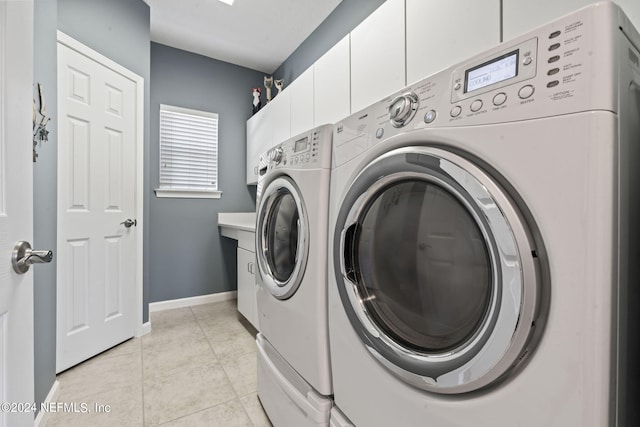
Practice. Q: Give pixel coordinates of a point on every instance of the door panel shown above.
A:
(16, 208)
(97, 193)
(435, 268)
(282, 237)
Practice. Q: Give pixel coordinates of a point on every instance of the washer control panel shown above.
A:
(567, 66)
(310, 150)
(563, 67)
(513, 64)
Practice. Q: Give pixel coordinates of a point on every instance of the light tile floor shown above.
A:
(197, 367)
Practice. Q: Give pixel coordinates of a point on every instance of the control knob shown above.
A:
(276, 155)
(402, 109)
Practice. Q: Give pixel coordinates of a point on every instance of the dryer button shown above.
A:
(476, 105)
(379, 133)
(554, 46)
(455, 111)
(430, 116)
(500, 98)
(525, 91)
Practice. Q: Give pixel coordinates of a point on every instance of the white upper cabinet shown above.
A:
(331, 85)
(281, 116)
(259, 140)
(443, 33)
(378, 55)
(268, 127)
(301, 92)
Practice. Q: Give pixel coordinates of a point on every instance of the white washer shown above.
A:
(291, 250)
(484, 238)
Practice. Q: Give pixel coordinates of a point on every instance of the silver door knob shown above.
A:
(129, 222)
(23, 257)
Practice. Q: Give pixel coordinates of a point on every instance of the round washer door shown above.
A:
(282, 237)
(436, 270)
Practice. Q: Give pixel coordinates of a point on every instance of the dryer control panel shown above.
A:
(514, 64)
(567, 66)
(309, 150)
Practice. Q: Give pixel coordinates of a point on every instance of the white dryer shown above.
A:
(291, 250)
(484, 238)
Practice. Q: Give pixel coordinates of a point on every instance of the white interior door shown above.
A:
(97, 250)
(16, 207)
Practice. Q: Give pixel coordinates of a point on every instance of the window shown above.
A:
(188, 153)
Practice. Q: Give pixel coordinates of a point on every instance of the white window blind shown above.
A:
(188, 153)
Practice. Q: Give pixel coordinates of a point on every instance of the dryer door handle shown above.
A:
(348, 254)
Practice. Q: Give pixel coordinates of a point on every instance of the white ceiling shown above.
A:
(257, 34)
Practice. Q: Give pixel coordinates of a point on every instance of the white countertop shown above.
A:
(245, 221)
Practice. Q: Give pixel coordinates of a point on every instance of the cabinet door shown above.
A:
(280, 108)
(520, 16)
(247, 286)
(302, 103)
(259, 140)
(434, 44)
(378, 55)
(331, 85)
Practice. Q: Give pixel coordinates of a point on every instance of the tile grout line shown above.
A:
(144, 415)
(224, 370)
(213, 350)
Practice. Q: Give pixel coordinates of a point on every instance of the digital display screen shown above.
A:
(301, 144)
(494, 71)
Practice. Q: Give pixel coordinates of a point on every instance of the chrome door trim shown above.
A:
(277, 288)
(501, 342)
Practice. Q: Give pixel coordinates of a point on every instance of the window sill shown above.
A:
(187, 194)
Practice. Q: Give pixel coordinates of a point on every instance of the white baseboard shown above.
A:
(188, 302)
(43, 416)
(143, 329)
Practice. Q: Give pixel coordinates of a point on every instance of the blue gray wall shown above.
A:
(189, 257)
(345, 17)
(45, 196)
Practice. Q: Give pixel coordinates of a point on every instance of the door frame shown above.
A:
(66, 40)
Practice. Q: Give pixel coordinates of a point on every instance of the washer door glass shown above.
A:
(282, 242)
(281, 232)
(424, 266)
(437, 270)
